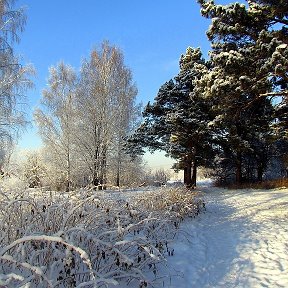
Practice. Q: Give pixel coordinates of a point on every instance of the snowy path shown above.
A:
(241, 241)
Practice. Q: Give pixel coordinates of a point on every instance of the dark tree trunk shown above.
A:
(188, 174)
(239, 168)
(194, 174)
(260, 172)
(118, 178)
(68, 185)
(118, 172)
(95, 181)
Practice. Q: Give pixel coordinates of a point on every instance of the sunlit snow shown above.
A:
(241, 241)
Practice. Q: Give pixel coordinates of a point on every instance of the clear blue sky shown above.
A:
(152, 35)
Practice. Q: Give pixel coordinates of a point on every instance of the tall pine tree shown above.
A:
(177, 121)
(243, 45)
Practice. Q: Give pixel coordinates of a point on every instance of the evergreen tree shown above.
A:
(177, 121)
(244, 42)
(261, 29)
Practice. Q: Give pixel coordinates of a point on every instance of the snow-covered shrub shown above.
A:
(174, 202)
(12, 184)
(88, 238)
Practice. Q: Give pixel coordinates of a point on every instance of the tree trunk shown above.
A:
(118, 175)
(260, 172)
(103, 168)
(188, 174)
(118, 179)
(239, 168)
(194, 174)
(95, 180)
(118, 166)
(68, 180)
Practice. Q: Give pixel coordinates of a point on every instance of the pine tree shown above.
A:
(262, 28)
(244, 42)
(177, 121)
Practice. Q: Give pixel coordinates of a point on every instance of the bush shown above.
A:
(176, 202)
(267, 184)
(89, 237)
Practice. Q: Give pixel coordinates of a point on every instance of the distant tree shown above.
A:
(133, 172)
(34, 170)
(177, 122)
(14, 77)
(106, 107)
(161, 175)
(56, 121)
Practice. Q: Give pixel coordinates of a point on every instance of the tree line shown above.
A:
(83, 118)
(229, 112)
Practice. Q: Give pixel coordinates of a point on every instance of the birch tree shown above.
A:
(126, 120)
(14, 77)
(56, 120)
(105, 103)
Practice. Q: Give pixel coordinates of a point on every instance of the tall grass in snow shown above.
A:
(89, 238)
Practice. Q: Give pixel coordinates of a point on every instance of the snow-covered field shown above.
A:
(241, 241)
(133, 239)
(90, 238)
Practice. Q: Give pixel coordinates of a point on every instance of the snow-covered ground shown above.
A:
(241, 241)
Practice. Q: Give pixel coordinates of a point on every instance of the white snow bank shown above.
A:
(241, 241)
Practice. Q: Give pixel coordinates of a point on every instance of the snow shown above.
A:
(282, 46)
(241, 241)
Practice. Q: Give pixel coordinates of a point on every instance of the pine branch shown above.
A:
(278, 93)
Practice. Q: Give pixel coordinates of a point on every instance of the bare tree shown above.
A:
(14, 77)
(105, 102)
(56, 119)
(83, 122)
(161, 175)
(127, 115)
